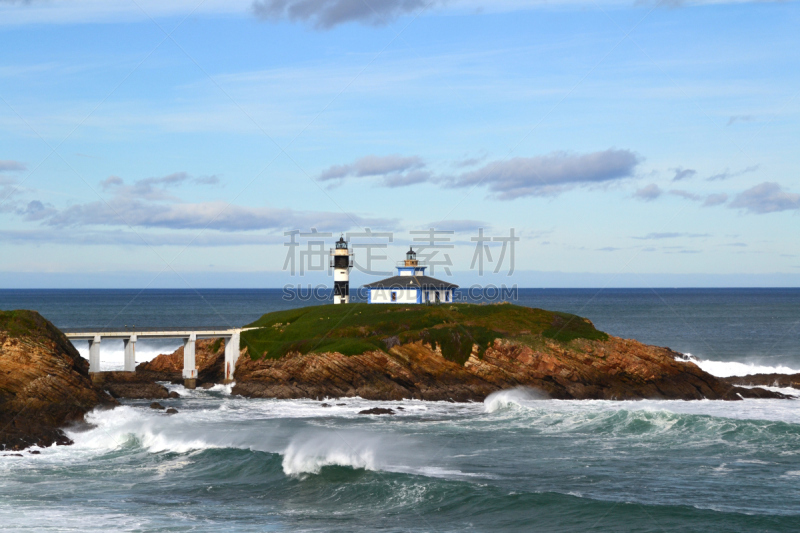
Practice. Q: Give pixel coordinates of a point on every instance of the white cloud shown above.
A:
(683, 173)
(648, 193)
(671, 235)
(395, 170)
(218, 216)
(325, 14)
(715, 199)
(728, 174)
(8, 165)
(148, 204)
(548, 175)
(766, 197)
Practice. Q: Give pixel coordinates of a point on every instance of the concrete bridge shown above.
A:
(189, 337)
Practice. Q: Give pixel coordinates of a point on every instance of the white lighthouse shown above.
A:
(342, 262)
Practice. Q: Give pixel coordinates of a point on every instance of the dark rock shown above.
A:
(136, 390)
(174, 394)
(34, 452)
(401, 408)
(207, 386)
(341, 404)
(391, 342)
(13, 455)
(766, 380)
(156, 405)
(325, 405)
(376, 411)
(172, 411)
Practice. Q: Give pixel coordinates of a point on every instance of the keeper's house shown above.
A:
(410, 286)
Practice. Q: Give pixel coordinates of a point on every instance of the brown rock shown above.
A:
(156, 405)
(44, 382)
(172, 411)
(615, 369)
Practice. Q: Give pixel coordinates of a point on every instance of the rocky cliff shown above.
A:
(44, 382)
(616, 369)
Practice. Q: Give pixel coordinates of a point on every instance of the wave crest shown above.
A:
(511, 398)
(310, 454)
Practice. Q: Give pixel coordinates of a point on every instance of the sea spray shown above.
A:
(308, 453)
(512, 397)
(724, 369)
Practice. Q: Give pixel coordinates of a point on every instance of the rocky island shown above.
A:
(459, 352)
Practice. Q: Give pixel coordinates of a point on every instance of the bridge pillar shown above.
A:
(130, 353)
(189, 365)
(231, 354)
(94, 354)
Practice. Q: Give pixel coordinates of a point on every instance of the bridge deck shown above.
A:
(152, 333)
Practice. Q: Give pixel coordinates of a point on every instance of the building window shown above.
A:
(394, 296)
(448, 296)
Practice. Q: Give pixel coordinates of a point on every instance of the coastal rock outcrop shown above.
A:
(44, 382)
(132, 385)
(766, 380)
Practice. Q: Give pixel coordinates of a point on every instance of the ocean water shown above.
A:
(516, 462)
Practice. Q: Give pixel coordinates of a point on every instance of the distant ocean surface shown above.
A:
(512, 463)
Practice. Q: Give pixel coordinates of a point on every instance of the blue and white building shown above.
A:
(410, 286)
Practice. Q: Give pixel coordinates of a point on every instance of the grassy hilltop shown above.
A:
(357, 328)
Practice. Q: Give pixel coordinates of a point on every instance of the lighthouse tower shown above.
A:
(342, 262)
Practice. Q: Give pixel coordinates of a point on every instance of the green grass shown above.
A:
(356, 328)
(216, 345)
(21, 323)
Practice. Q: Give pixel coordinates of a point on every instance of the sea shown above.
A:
(516, 462)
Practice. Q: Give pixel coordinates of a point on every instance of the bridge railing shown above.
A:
(138, 329)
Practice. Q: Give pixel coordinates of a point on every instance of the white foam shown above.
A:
(307, 454)
(725, 369)
(510, 398)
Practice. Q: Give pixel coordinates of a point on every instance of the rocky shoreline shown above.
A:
(45, 384)
(616, 369)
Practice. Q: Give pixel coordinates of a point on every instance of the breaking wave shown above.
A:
(726, 369)
(308, 454)
(511, 398)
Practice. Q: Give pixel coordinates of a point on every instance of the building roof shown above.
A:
(411, 282)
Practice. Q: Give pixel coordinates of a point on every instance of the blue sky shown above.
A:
(172, 143)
